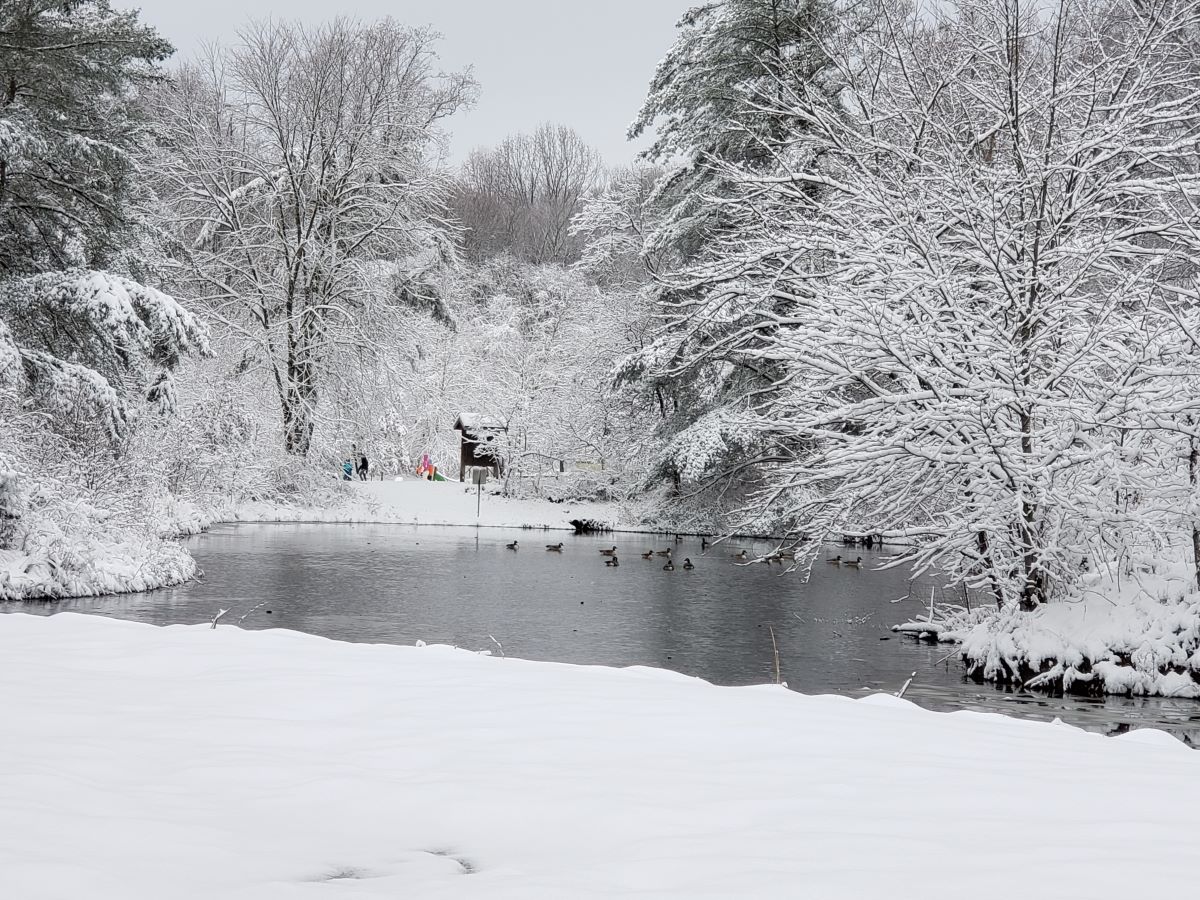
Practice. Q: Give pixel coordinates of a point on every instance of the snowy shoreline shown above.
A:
(272, 764)
(94, 567)
(134, 562)
(420, 502)
(1134, 635)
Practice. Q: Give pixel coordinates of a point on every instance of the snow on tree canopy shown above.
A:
(85, 337)
(65, 387)
(698, 449)
(122, 314)
(648, 362)
(10, 357)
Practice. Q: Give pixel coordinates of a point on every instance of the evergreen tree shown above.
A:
(75, 338)
(720, 107)
(69, 76)
(80, 341)
(718, 98)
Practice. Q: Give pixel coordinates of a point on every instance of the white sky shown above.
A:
(584, 63)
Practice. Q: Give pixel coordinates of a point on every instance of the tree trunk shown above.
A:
(297, 426)
(981, 541)
(1193, 471)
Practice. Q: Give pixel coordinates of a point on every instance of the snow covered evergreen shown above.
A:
(85, 349)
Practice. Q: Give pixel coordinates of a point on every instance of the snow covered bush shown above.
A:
(1131, 631)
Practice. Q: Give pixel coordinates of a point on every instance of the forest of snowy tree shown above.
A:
(924, 270)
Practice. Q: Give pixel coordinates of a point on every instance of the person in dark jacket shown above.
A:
(362, 467)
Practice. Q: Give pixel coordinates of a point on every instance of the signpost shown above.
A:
(479, 476)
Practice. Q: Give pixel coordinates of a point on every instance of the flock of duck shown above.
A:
(613, 561)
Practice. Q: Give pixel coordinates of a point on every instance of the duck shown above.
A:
(853, 563)
(555, 548)
(687, 564)
(612, 552)
(741, 554)
(835, 561)
(647, 554)
(512, 546)
(786, 554)
(669, 567)
(614, 562)
(679, 538)
(666, 553)
(704, 544)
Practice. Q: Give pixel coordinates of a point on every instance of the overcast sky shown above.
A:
(579, 62)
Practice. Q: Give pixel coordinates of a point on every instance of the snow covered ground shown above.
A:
(184, 762)
(415, 501)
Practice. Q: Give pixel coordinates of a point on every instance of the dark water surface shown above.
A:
(399, 584)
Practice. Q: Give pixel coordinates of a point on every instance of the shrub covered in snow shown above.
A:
(1134, 630)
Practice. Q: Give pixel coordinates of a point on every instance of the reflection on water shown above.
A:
(398, 584)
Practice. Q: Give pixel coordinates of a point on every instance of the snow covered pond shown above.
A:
(400, 584)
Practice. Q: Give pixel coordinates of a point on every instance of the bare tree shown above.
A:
(520, 196)
(299, 174)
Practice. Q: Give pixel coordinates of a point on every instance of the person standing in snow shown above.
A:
(362, 467)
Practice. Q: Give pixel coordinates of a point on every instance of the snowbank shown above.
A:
(85, 565)
(419, 502)
(1139, 634)
(184, 762)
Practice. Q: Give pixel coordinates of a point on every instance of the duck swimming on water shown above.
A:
(555, 548)
(687, 564)
(512, 546)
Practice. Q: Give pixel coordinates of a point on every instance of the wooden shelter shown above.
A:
(479, 443)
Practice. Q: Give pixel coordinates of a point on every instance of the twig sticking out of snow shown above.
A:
(217, 617)
(775, 647)
(250, 610)
(498, 644)
(904, 687)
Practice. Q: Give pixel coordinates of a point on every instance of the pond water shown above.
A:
(399, 584)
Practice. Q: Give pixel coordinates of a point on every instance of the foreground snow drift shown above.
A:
(186, 762)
